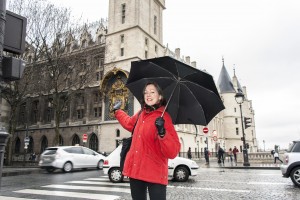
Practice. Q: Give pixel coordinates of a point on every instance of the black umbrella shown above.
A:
(191, 94)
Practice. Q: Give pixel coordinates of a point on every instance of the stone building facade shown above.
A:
(134, 32)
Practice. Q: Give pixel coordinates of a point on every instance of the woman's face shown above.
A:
(151, 95)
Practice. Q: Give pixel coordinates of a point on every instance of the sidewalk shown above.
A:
(20, 170)
(213, 163)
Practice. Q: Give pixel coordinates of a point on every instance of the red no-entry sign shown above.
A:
(84, 137)
(205, 130)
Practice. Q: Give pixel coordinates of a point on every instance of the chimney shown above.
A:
(177, 53)
(194, 64)
(188, 60)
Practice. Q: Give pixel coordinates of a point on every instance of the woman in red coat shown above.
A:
(154, 141)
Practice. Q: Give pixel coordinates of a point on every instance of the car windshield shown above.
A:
(294, 146)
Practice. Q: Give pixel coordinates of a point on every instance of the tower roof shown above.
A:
(224, 82)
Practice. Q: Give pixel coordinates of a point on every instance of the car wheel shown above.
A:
(100, 164)
(115, 175)
(67, 167)
(50, 170)
(295, 176)
(181, 174)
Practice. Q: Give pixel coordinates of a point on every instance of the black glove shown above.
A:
(117, 105)
(159, 123)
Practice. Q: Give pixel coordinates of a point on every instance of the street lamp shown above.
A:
(239, 98)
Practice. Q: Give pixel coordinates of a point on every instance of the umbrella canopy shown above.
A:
(191, 94)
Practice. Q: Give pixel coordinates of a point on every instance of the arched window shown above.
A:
(31, 145)
(93, 143)
(44, 144)
(75, 140)
(117, 133)
(17, 145)
(61, 141)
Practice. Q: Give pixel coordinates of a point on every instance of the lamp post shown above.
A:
(239, 98)
(264, 145)
(198, 148)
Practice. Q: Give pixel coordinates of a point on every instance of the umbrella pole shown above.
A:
(169, 99)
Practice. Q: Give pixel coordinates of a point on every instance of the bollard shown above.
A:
(3, 140)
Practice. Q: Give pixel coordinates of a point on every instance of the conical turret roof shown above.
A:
(224, 82)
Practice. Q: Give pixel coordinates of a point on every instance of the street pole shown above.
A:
(264, 146)
(245, 151)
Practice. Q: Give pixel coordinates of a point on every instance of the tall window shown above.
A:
(61, 141)
(97, 112)
(17, 145)
(146, 41)
(84, 43)
(237, 131)
(122, 51)
(155, 25)
(96, 97)
(155, 47)
(123, 12)
(23, 113)
(122, 38)
(93, 143)
(80, 114)
(44, 143)
(35, 111)
(76, 140)
(146, 54)
(236, 121)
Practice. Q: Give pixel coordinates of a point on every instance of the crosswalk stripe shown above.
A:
(98, 183)
(76, 187)
(96, 179)
(69, 194)
(211, 189)
(15, 198)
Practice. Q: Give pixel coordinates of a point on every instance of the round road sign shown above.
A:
(205, 130)
(84, 137)
(215, 138)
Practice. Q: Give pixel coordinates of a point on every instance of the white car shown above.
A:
(291, 163)
(70, 157)
(179, 168)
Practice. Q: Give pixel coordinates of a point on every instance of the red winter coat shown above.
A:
(147, 159)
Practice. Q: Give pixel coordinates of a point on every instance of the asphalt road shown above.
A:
(211, 183)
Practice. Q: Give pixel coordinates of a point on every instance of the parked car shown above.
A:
(68, 158)
(291, 163)
(179, 168)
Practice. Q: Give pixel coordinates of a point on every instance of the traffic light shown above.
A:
(247, 122)
(247, 145)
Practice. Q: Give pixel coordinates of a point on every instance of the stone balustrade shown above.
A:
(259, 157)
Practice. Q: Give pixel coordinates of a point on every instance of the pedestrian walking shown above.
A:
(235, 151)
(230, 154)
(189, 153)
(276, 157)
(221, 155)
(154, 141)
(206, 155)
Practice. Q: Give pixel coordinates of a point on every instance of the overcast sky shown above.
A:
(261, 38)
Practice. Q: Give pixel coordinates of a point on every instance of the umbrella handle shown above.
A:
(169, 99)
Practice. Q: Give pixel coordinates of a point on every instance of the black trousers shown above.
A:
(139, 190)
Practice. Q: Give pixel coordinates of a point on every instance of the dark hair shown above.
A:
(162, 102)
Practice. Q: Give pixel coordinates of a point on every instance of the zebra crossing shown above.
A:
(90, 188)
